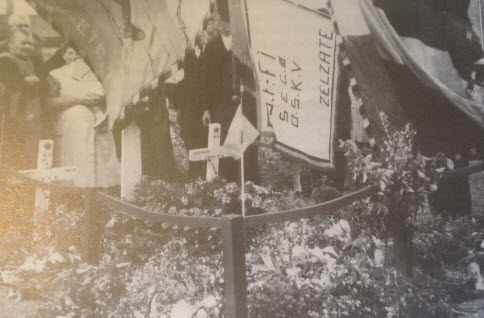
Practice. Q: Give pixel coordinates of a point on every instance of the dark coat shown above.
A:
(157, 158)
(220, 81)
(21, 108)
(192, 100)
(220, 91)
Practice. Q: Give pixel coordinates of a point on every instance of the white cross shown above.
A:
(45, 173)
(212, 154)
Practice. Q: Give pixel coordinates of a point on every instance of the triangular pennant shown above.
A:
(241, 134)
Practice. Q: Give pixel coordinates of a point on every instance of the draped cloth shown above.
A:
(405, 51)
(77, 143)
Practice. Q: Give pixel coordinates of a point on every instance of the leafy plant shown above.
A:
(405, 178)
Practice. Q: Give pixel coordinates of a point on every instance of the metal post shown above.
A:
(234, 266)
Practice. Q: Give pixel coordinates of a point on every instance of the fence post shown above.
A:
(90, 232)
(234, 266)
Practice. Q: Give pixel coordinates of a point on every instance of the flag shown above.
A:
(241, 135)
(131, 45)
(428, 51)
(294, 54)
(240, 38)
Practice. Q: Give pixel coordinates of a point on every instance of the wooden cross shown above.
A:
(45, 173)
(131, 170)
(212, 154)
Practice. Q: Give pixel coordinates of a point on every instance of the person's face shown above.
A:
(22, 45)
(22, 25)
(212, 34)
(210, 25)
(70, 56)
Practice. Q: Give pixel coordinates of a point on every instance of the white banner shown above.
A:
(294, 52)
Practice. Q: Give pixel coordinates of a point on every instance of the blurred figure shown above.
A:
(22, 101)
(75, 96)
(46, 129)
(221, 106)
(192, 100)
(15, 22)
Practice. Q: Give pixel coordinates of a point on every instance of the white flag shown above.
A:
(241, 134)
(296, 62)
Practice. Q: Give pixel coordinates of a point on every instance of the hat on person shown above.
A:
(18, 20)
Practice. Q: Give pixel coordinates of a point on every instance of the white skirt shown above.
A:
(93, 154)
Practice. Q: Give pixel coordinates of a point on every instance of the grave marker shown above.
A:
(212, 154)
(214, 131)
(131, 170)
(45, 173)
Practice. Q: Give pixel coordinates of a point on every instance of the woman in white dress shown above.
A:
(76, 98)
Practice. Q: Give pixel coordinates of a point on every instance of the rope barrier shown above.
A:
(311, 211)
(190, 221)
(215, 222)
(462, 172)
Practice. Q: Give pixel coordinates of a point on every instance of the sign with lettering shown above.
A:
(295, 57)
(208, 154)
(212, 154)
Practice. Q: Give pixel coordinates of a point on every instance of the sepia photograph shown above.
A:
(241, 158)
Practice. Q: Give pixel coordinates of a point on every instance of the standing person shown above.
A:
(221, 104)
(192, 99)
(78, 143)
(46, 129)
(15, 22)
(21, 103)
(220, 108)
(152, 117)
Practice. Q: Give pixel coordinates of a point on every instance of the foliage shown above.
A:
(324, 193)
(405, 176)
(48, 264)
(440, 241)
(321, 267)
(326, 269)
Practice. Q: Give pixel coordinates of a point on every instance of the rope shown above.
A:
(215, 222)
(6, 170)
(187, 221)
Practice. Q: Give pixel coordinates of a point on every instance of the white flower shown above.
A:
(33, 263)
(181, 309)
(172, 210)
(299, 253)
(54, 257)
(340, 230)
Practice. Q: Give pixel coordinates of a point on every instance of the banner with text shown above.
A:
(295, 59)
(128, 43)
